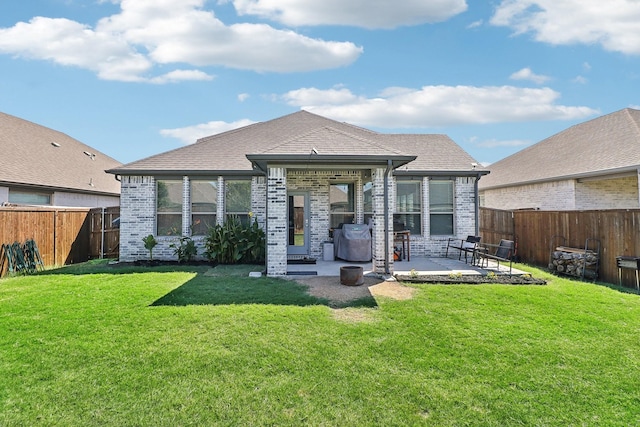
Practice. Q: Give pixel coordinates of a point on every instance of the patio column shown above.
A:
(277, 222)
(379, 234)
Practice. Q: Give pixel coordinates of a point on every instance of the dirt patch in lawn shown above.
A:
(338, 294)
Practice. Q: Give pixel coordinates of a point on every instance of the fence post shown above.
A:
(102, 234)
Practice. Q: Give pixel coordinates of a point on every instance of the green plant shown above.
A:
(492, 276)
(233, 242)
(186, 250)
(413, 273)
(150, 242)
(457, 275)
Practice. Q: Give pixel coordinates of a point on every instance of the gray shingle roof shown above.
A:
(606, 145)
(35, 155)
(298, 134)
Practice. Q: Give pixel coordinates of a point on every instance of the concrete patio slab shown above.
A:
(421, 265)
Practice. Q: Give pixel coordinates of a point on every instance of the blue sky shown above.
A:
(133, 78)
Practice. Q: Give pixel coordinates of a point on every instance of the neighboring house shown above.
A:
(592, 165)
(41, 166)
(302, 175)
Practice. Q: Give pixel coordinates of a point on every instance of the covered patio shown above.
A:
(420, 265)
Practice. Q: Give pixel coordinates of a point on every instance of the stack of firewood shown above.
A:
(580, 264)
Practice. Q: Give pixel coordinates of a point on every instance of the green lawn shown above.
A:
(91, 345)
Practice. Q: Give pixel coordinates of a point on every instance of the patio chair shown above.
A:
(467, 246)
(503, 252)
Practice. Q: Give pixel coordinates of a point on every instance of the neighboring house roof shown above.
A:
(36, 156)
(607, 145)
(302, 134)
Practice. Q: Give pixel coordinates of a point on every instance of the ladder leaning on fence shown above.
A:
(24, 259)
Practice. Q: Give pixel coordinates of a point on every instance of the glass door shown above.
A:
(298, 223)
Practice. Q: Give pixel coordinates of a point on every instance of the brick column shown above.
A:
(379, 233)
(277, 222)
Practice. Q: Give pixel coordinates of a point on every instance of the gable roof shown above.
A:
(34, 155)
(606, 145)
(299, 134)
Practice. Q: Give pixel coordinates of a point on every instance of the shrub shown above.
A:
(234, 242)
(186, 250)
(150, 242)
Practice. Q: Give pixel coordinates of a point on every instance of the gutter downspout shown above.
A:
(386, 217)
(477, 204)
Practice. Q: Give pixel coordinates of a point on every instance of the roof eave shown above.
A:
(441, 172)
(56, 188)
(328, 160)
(612, 173)
(180, 172)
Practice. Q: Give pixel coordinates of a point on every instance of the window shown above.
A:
(408, 214)
(367, 192)
(341, 205)
(238, 199)
(441, 207)
(169, 207)
(28, 198)
(204, 206)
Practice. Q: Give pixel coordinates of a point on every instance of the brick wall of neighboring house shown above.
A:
(556, 195)
(620, 193)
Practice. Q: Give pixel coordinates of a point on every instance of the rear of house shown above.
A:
(301, 177)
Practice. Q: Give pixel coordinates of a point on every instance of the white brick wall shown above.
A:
(138, 201)
(557, 195)
(277, 222)
(619, 193)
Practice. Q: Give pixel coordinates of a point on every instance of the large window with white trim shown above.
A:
(342, 207)
(441, 207)
(29, 197)
(238, 199)
(169, 207)
(408, 214)
(204, 205)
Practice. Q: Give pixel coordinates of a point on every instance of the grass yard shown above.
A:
(92, 345)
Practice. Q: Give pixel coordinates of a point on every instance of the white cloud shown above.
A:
(580, 80)
(527, 74)
(243, 97)
(182, 75)
(128, 45)
(358, 13)
(612, 24)
(190, 134)
(438, 106)
(475, 24)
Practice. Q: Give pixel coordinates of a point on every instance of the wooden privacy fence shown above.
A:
(62, 235)
(617, 230)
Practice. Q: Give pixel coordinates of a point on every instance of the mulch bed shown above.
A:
(472, 279)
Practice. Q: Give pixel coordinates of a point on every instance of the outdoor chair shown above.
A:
(467, 246)
(502, 252)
